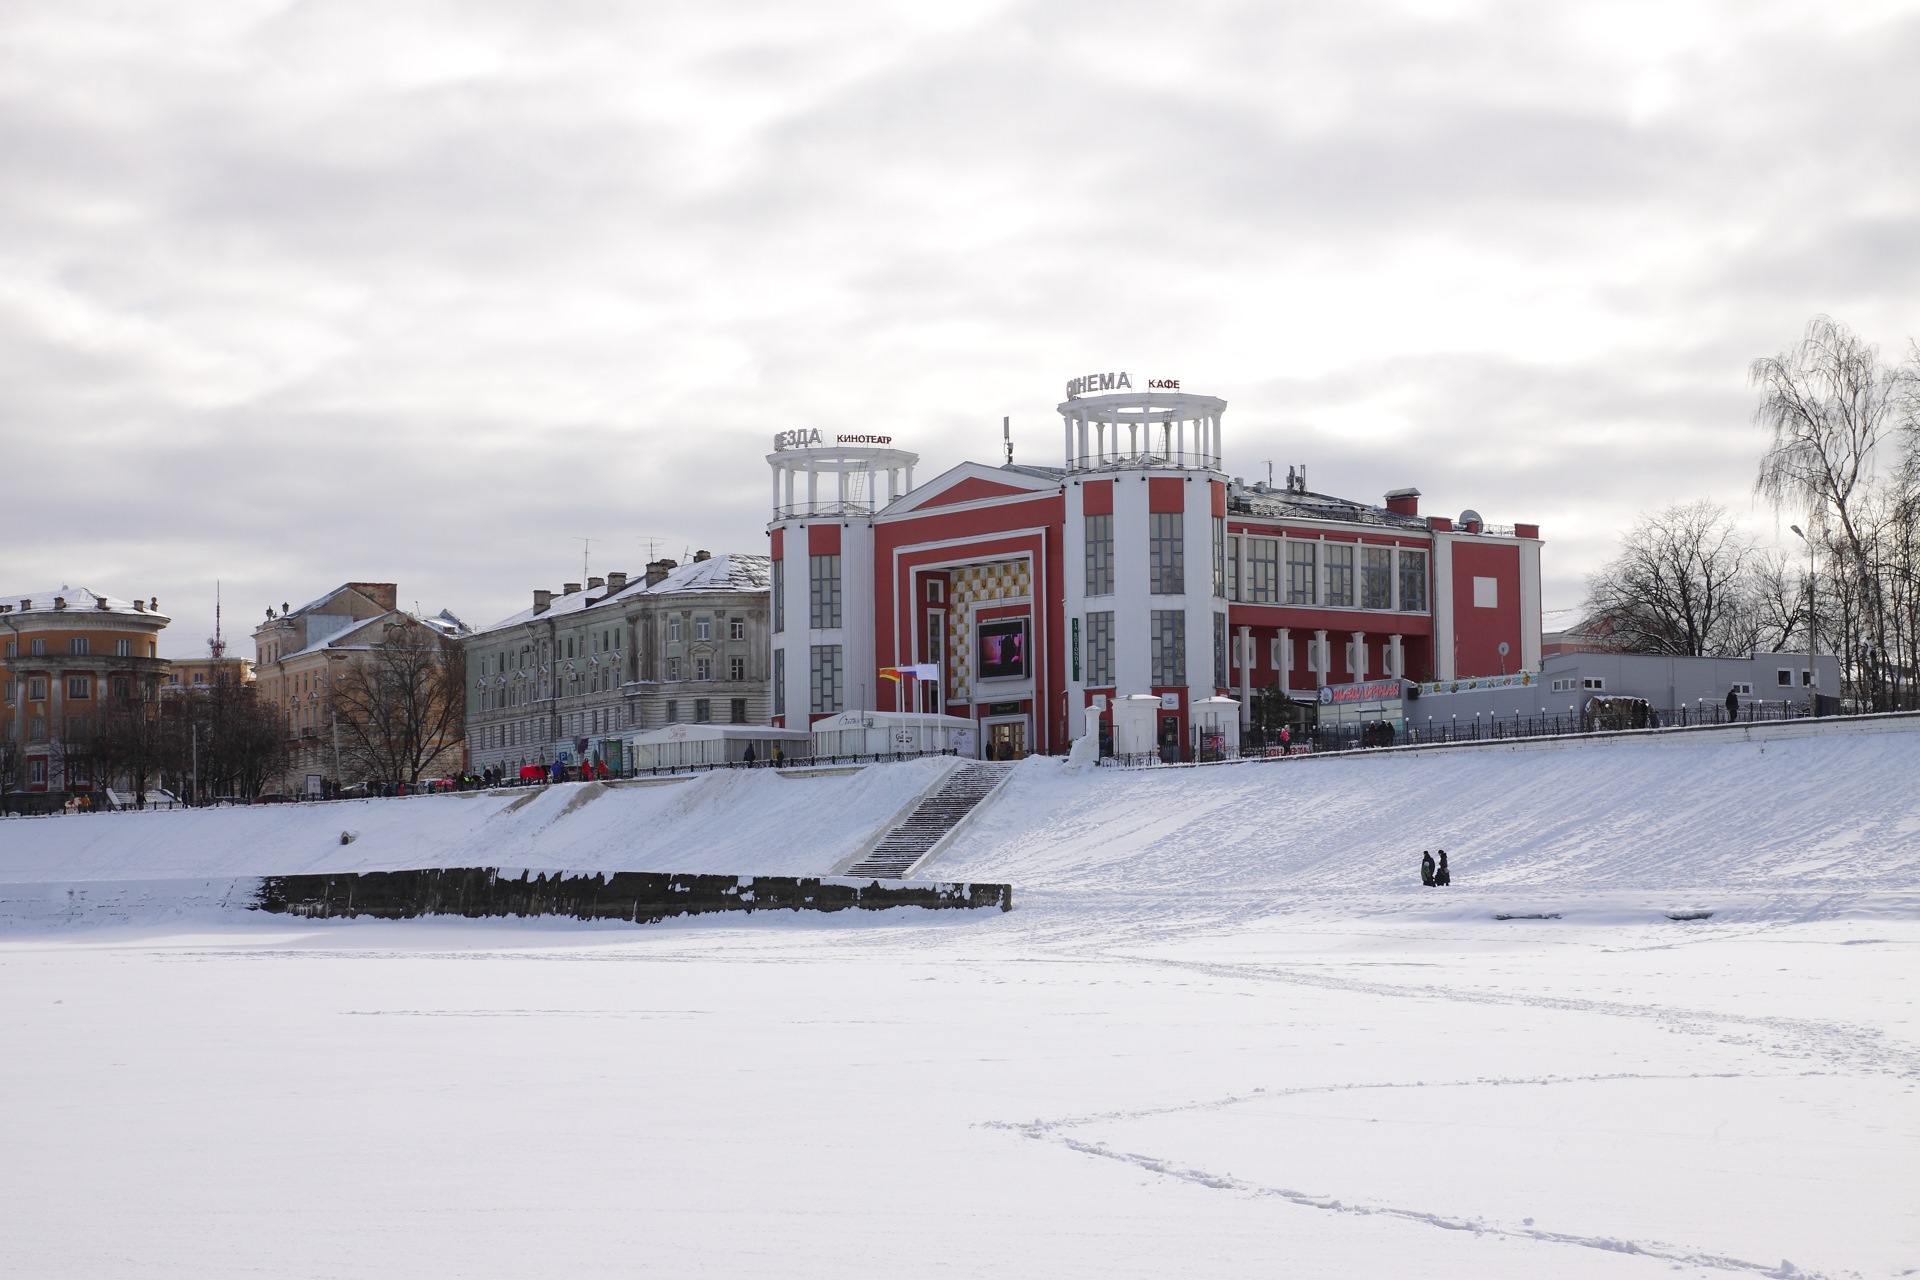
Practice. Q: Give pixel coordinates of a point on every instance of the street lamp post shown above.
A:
(1813, 581)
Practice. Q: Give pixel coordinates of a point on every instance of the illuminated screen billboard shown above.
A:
(1002, 649)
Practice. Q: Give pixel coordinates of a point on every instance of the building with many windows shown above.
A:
(578, 674)
(1138, 567)
(69, 652)
(299, 652)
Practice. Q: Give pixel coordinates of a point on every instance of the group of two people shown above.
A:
(1432, 875)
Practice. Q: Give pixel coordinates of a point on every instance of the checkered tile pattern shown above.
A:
(1003, 581)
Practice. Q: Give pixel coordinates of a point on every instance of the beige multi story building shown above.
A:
(581, 671)
(299, 652)
(201, 673)
(69, 652)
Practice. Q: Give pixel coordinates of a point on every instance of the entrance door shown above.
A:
(1170, 739)
(1007, 739)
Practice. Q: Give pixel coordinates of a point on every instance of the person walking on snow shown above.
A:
(1426, 868)
(1442, 876)
(1733, 705)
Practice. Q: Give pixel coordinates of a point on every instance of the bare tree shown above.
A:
(401, 704)
(1682, 584)
(1828, 404)
(133, 743)
(224, 740)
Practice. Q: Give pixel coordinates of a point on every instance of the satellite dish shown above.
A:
(1470, 516)
(1503, 648)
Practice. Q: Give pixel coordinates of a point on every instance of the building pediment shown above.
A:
(972, 482)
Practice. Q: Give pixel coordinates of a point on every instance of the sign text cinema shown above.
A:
(810, 438)
(1094, 383)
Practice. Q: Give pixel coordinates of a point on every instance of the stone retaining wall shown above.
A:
(639, 896)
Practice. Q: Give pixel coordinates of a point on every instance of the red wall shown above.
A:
(1477, 633)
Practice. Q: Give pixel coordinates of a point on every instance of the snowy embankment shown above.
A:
(1818, 820)
(1836, 811)
(760, 822)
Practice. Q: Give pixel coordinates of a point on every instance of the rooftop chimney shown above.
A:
(657, 571)
(616, 581)
(542, 600)
(700, 556)
(99, 602)
(1404, 502)
(594, 584)
(569, 588)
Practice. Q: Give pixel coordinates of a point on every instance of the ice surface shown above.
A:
(1220, 1035)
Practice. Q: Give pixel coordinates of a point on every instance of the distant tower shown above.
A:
(825, 496)
(217, 645)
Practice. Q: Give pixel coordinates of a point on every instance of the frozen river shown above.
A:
(1070, 1090)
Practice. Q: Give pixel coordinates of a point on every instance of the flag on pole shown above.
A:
(892, 673)
(924, 670)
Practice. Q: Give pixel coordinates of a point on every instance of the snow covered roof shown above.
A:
(1284, 504)
(443, 622)
(77, 598)
(730, 571)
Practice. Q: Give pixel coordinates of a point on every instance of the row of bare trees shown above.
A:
(1842, 455)
(400, 707)
(215, 740)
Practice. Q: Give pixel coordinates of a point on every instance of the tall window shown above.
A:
(37, 647)
(1299, 572)
(1233, 568)
(779, 682)
(1167, 568)
(736, 629)
(123, 648)
(779, 595)
(1263, 571)
(79, 687)
(1100, 649)
(1219, 557)
(673, 631)
(703, 628)
(1339, 556)
(1220, 650)
(1100, 555)
(703, 710)
(703, 668)
(79, 645)
(736, 668)
(737, 711)
(1169, 646)
(36, 688)
(1413, 581)
(824, 593)
(673, 668)
(826, 674)
(673, 711)
(1376, 578)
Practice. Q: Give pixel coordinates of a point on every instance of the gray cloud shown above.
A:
(324, 292)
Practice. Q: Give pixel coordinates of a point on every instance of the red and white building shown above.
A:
(1137, 567)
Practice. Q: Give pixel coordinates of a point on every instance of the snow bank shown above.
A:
(734, 822)
(1837, 812)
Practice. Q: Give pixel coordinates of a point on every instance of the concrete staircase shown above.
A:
(930, 825)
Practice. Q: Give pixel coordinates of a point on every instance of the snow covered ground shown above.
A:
(1221, 1035)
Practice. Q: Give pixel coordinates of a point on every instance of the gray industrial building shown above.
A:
(1672, 686)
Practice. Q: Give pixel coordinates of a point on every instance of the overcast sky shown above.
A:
(297, 294)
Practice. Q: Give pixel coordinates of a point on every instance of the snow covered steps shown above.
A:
(931, 824)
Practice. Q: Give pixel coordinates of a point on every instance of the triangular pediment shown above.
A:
(973, 482)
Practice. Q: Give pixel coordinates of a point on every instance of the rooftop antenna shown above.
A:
(1006, 434)
(653, 542)
(217, 646)
(1269, 473)
(586, 548)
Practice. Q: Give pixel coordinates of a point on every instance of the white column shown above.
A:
(1066, 422)
(813, 487)
(1284, 663)
(1396, 659)
(1246, 676)
(1359, 655)
(1320, 657)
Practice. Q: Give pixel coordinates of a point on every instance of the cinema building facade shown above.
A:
(1137, 567)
